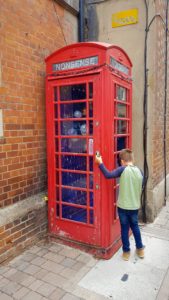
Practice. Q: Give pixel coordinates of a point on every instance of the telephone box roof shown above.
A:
(100, 45)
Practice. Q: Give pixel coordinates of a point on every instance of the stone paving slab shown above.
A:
(57, 294)
(46, 282)
(53, 271)
(23, 291)
(163, 293)
(45, 271)
(143, 277)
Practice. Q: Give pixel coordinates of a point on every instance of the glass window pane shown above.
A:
(57, 180)
(121, 126)
(121, 143)
(91, 217)
(90, 90)
(57, 194)
(91, 163)
(116, 161)
(56, 161)
(73, 128)
(90, 109)
(56, 111)
(91, 199)
(73, 110)
(57, 210)
(90, 127)
(74, 196)
(73, 162)
(74, 145)
(121, 110)
(73, 92)
(56, 128)
(91, 181)
(74, 213)
(55, 94)
(56, 145)
(74, 179)
(121, 93)
(115, 213)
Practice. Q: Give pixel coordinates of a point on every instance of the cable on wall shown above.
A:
(60, 25)
(145, 128)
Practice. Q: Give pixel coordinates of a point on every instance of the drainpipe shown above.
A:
(165, 105)
(81, 20)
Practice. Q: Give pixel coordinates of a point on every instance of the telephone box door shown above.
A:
(122, 137)
(73, 137)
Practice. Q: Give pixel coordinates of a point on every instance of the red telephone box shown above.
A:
(88, 104)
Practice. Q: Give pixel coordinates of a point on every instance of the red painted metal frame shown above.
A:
(104, 235)
(70, 229)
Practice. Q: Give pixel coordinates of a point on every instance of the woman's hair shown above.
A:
(126, 155)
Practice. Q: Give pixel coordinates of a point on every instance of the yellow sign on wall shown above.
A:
(124, 18)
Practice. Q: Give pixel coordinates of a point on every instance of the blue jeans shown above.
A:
(129, 219)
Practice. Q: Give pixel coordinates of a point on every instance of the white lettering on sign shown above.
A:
(76, 64)
(118, 66)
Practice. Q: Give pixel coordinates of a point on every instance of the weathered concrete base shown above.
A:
(21, 225)
(156, 200)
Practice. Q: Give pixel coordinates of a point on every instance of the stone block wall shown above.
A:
(21, 225)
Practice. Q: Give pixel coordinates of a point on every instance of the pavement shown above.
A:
(55, 271)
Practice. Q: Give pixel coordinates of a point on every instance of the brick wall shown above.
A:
(158, 112)
(21, 226)
(29, 31)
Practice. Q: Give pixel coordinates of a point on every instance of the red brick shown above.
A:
(2, 229)
(12, 127)
(2, 155)
(8, 202)
(3, 196)
(6, 188)
(4, 234)
(15, 167)
(8, 226)
(23, 102)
